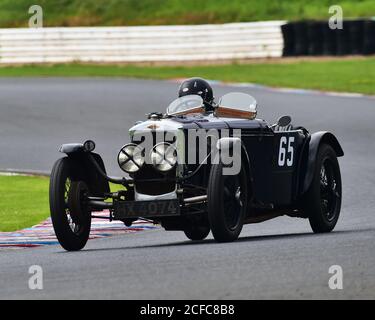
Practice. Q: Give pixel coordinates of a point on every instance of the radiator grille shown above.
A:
(145, 181)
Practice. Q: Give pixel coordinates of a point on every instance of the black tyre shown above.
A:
(227, 203)
(70, 218)
(197, 232)
(322, 202)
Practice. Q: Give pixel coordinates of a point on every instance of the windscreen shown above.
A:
(239, 101)
(185, 104)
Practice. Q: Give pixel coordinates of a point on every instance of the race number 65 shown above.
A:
(286, 151)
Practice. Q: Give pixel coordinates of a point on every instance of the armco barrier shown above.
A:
(369, 37)
(185, 43)
(316, 38)
(142, 44)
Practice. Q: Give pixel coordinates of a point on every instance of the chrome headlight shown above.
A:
(164, 156)
(131, 158)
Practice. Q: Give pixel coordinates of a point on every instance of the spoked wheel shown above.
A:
(70, 217)
(323, 199)
(329, 193)
(227, 203)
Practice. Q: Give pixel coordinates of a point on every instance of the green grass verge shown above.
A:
(24, 201)
(156, 12)
(346, 75)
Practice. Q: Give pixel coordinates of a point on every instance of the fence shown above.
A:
(142, 44)
(316, 38)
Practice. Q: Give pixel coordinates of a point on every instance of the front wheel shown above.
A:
(70, 217)
(227, 203)
(323, 199)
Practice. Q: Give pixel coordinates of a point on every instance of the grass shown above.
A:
(156, 12)
(24, 201)
(345, 75)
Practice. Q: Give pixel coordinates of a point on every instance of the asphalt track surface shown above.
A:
(280, 258)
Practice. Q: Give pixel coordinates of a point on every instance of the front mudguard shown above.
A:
(228, 143)
(84, 170)
(315, 141)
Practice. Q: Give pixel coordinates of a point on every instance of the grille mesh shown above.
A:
(151, 187)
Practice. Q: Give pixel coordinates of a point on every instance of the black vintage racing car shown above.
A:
(284, 170)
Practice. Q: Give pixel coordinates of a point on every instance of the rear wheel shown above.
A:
(70, 217)
(197, 232)
(227, 203)
(323, 199)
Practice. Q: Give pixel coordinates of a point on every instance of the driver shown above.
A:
(199, 87)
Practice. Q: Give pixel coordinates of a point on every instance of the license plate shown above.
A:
(132, 209)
